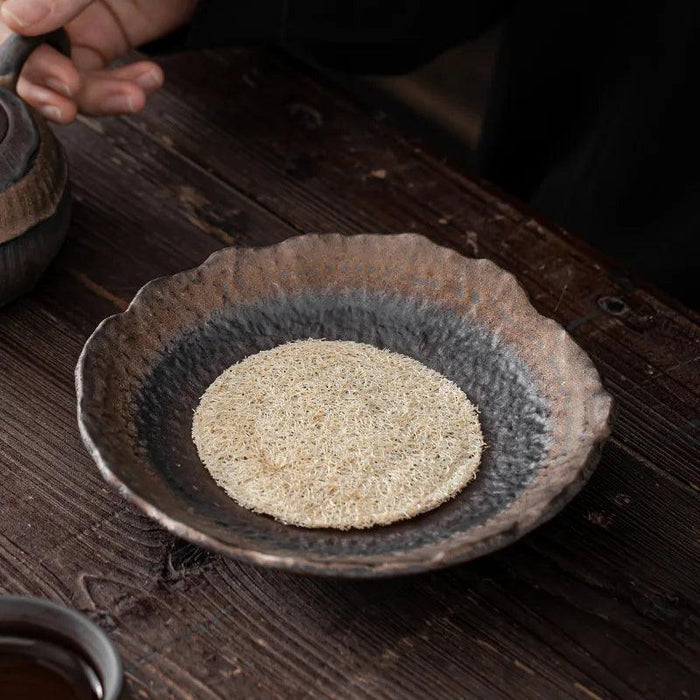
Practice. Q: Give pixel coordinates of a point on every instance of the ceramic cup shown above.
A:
(45, 621)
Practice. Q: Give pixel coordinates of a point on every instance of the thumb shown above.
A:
(31, 17)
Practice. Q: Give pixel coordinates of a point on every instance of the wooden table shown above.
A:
(242, 148)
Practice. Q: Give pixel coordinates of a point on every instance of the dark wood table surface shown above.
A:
(247, 148)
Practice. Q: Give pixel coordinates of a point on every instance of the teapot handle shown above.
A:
(15, 50)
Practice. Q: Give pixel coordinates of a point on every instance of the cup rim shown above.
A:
(74, 626)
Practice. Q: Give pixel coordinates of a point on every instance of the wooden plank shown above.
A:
(125, 543)
(601, 602)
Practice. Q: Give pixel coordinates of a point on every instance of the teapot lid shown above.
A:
(33, 170)
(19, 139)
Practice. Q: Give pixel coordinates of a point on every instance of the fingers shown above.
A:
(33, 17)
(103, 95)
(52, 84)
(5, 31)
(49, 68)
(120, 90)
(57, 108)
(146, 74)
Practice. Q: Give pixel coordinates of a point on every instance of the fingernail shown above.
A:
(26, 12)
(149, 79)
(51, 112)
(58, 86)
(123, 104)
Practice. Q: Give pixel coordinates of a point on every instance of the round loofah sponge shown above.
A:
(337, 434)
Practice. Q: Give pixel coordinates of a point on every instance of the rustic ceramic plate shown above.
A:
(543, 409)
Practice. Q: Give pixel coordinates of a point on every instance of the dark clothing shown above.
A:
(593, 116)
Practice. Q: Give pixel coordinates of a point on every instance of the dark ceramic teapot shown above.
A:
(34, 199)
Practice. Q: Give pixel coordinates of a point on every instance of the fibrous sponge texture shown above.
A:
(337, 434)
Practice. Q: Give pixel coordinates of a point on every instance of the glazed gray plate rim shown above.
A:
(451, 552)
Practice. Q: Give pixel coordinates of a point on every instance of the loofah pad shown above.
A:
(337, 434)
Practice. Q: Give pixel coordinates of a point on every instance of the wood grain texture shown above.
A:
(602, 602)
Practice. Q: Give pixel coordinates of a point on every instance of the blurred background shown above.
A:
(445, 102)
(437, 101)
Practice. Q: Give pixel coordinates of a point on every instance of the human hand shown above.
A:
(100, 31)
